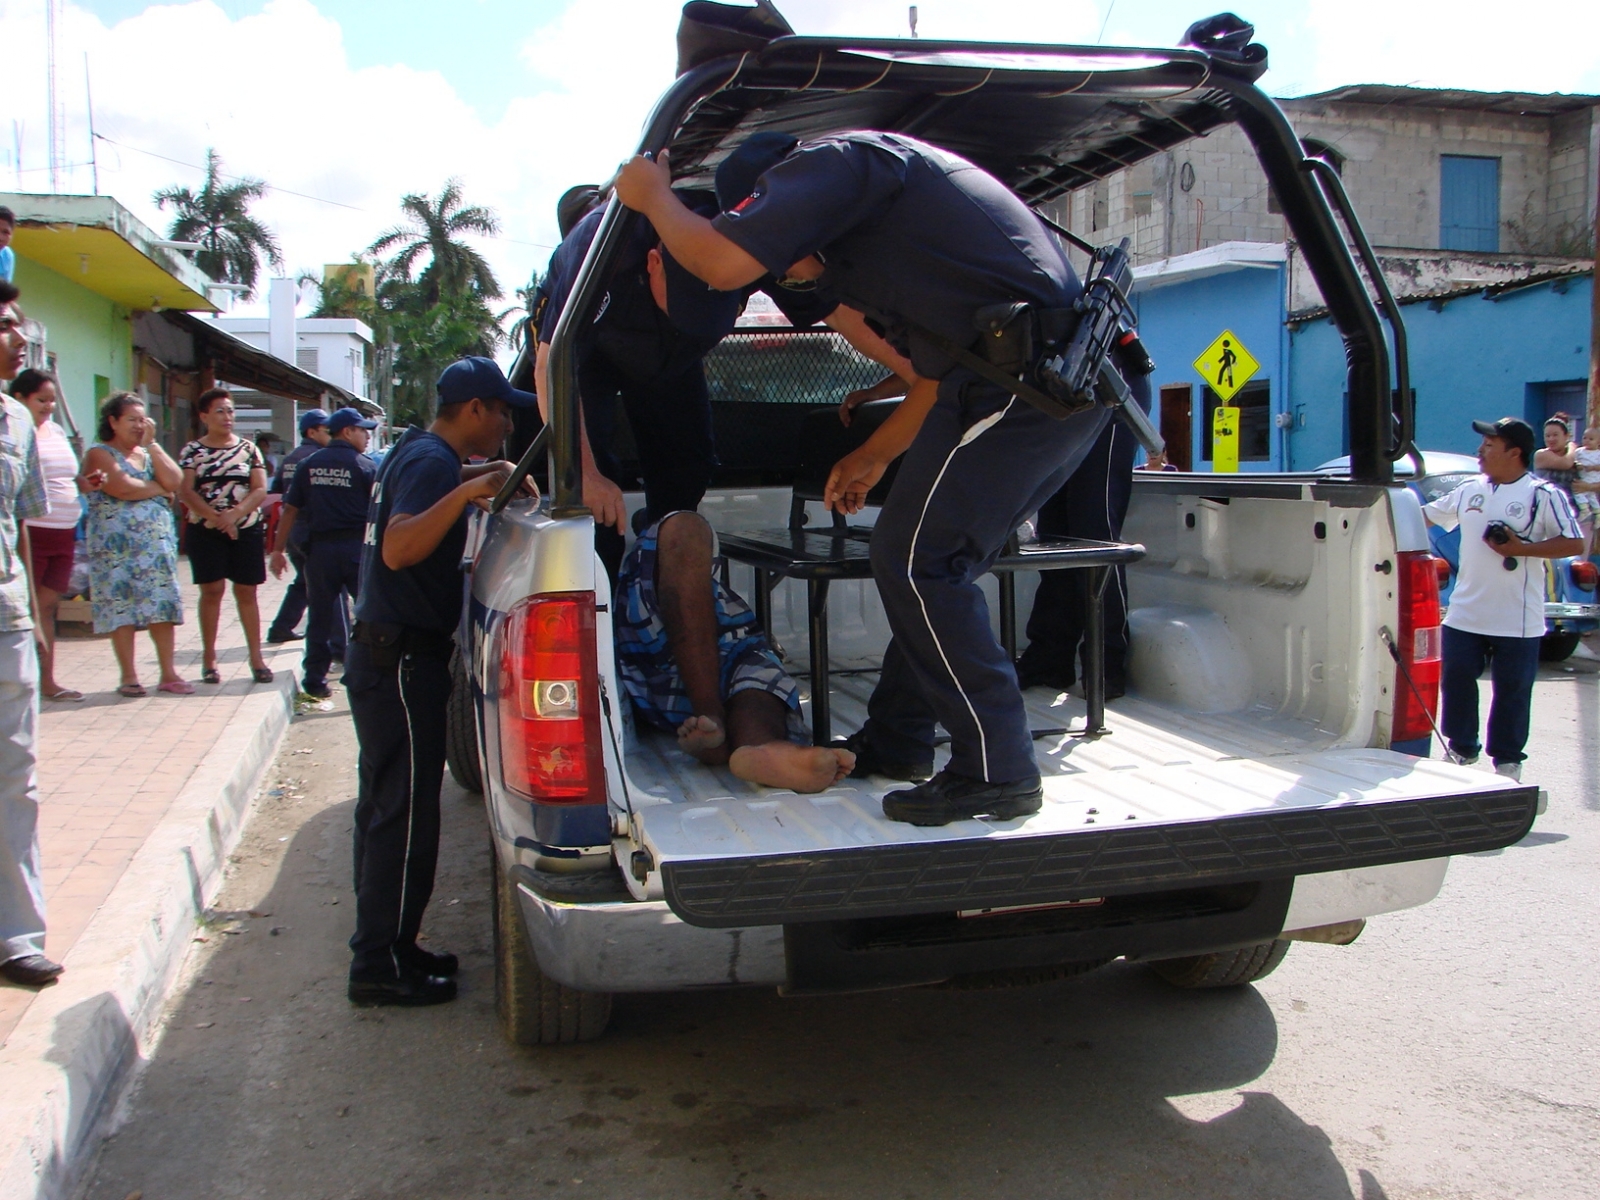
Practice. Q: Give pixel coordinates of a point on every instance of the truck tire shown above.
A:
(1558, 647)
(461, 729)
(1229, 968)
(534, 1010)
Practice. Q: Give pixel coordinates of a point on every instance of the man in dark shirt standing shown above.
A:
(919, 241)
(328, 501)
(398, 673)
(313, 437)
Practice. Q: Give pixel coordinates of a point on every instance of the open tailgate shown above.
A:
(787, 858)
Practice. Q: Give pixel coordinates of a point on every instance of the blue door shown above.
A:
(1469, 203)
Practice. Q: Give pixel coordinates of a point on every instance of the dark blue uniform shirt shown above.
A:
(419, 472)
(908, 233)
(285, 476)
(331, 489)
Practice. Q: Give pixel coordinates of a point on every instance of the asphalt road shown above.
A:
(1449, 1053)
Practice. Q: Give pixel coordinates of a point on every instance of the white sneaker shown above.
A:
(1509, 770)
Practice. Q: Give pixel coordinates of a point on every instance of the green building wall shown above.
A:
(90, 337)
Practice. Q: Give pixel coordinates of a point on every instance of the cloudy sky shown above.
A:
(345, 105)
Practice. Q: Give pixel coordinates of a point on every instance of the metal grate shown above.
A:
(780, 366)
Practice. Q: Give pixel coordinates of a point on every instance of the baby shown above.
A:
(1587, 461)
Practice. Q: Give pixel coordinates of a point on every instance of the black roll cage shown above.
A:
(1379, 417)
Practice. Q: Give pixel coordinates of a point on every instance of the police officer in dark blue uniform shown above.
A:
(313, 437)
(919, 241)
(328, 499)
(1092, 504)
(398, 673)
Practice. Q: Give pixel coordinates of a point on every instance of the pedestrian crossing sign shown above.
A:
(1226, 365)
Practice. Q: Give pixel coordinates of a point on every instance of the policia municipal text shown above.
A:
(397, 671)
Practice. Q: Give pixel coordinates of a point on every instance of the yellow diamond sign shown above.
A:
(1226, 365)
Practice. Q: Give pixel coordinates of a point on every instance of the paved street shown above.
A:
(1447, 1054)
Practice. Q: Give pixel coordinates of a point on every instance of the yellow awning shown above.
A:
(107, 264)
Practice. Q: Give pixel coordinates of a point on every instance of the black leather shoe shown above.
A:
(426, 961)
(31, 970)
(411, 990)
(950, 797)
(868, 761)
(275, 638)
(1039, 674)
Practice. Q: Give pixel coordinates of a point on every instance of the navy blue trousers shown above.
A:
(1513, 666)
(400, 726)
(982, 463)
(333, 571)
(293, 606)
(1091, 504)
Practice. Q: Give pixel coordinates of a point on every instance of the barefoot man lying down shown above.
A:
(693, 660)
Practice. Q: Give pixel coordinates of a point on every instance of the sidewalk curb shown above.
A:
(66, 1062)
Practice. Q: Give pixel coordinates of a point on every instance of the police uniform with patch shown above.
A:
(330, 490)
(293, 606)
(919, 241)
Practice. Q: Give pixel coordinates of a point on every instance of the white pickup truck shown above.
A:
(1251, 790)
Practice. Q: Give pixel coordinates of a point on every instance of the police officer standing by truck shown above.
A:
(327, 499)
(397, 673)
(921, 242)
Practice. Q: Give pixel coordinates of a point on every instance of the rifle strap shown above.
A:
(1046, 404)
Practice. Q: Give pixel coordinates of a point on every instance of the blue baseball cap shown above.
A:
(310, 419)
(695, 307)
(479, 378)
(755, 156)
(349, 418)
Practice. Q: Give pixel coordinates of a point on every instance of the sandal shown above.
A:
(132, 690)
(210, 675)
(64, 694)
(176, 687)
(262, 674)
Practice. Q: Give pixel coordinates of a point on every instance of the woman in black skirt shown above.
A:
(224, 483)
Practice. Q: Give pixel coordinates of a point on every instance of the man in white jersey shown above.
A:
(1507, 517)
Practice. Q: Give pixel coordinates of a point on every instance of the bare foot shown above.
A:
(786, 765)
(703, 737)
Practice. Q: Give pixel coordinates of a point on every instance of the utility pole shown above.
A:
(94, 146)
(55, 125)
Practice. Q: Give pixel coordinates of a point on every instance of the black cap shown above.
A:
(756, 155)
(574, 205)
(1513, 431)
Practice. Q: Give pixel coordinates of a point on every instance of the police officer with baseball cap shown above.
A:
(397, 673)
(313, 437)
(919, 241)
(328, 499)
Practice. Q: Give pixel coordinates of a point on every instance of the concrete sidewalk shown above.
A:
(141, 802)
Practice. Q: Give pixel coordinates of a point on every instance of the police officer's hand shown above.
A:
(852, 401)
(278, 563)
(642, 179)
(605, 501)
(528, 487)
(852, 477)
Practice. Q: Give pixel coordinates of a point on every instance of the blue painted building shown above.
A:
(1517, 345)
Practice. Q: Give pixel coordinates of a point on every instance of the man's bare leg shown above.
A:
(689, 611)
(762, 752)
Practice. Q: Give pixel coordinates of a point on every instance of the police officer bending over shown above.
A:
(398, 673)
(919, 241)
(331, 489)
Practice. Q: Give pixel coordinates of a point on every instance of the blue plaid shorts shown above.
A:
(649, 674)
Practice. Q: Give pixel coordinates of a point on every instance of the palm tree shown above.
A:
(232, 241)
(432, 227)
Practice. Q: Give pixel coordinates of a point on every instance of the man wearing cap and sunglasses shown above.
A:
(397, 672)
(313, 437)
(1507, 517)
(919, 241)
(327, 502)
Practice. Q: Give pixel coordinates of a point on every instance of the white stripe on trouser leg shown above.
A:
(411, 808)
(968, 437)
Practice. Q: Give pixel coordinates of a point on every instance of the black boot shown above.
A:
(426, 961)
(870, 762)
(950, 797)
(408, 989)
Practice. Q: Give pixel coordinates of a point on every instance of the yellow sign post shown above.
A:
(1225, 439)
(1226, 365)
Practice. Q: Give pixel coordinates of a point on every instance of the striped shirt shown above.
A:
(22, 496)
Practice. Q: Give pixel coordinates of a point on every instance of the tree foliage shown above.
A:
(432, 227)
(232, 242)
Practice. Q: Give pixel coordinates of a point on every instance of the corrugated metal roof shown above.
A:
(1519, 104)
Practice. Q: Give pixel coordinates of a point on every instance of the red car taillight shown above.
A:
(1419, 648)
(549, 707)
(1442, 567)
(1585, 574)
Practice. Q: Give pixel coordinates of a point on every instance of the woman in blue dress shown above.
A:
(132, 541)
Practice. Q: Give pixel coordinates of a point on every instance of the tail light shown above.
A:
(1585, 575)
(1419, 647)
(1442, 567)
(549, 706)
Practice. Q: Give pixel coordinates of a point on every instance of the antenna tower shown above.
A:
(56, 126)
